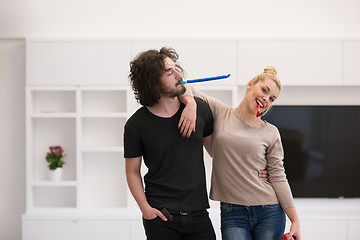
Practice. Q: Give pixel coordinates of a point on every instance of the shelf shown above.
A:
(50, 132)
(53, 115)
(100, 132)
(104, 101)
(49, 196)
(105, 115)
(53, 101)
(54, 184)
(103, 149)
(88, 123)
(101, 173)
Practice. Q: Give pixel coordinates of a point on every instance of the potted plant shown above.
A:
(55, 159)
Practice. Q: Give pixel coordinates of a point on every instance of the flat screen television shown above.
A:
(321, 149)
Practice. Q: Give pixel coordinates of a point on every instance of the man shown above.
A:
(174, 202)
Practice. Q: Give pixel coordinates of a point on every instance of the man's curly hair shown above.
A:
(146, 70)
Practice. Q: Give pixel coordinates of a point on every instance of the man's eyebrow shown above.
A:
(169, 69)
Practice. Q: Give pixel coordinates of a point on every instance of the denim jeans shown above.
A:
(194, 226)
(263, 222)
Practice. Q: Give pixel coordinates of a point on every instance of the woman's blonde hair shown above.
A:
(269, 72)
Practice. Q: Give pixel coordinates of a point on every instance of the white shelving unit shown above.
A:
(88, 123)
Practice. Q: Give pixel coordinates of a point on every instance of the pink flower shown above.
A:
(55, 157)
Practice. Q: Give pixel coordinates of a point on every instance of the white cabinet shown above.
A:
(351, 63)
(88, 123)
(61, 62)
(226, 94)
(299, 63)
(78, 96)
(65, 62)
(323, 229)
(353, 229)
(328, 218)
(200, 58)
(76, 229)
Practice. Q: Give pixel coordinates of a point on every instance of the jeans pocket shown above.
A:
(225, 208)
(152, 219)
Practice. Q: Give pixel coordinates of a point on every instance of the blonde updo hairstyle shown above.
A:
(269, 72)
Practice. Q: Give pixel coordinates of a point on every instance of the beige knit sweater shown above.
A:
(240, 151)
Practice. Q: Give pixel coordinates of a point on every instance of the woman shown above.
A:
(241, 146)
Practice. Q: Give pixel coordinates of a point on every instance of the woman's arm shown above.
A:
(187, 121)
(279, 182)
(295, 222)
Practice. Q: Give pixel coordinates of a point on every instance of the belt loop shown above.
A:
(183, 213)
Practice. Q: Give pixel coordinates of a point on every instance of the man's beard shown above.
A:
(172, 93)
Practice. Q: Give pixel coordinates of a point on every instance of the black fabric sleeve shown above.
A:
(132, 142)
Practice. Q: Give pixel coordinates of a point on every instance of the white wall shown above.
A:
(261, 19)
(187, 18)
(12, 138)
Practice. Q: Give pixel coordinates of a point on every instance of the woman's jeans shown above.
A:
(263, 222)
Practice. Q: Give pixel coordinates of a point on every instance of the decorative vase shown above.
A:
(55, 175)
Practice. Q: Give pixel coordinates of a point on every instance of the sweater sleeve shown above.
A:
(277, 176)
(215, 105)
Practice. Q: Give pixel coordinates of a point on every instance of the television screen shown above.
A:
(321, 147)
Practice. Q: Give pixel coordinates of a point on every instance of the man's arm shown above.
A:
(135, 184)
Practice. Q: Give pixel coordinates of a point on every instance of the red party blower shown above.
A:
(285, 236)
(258, 113)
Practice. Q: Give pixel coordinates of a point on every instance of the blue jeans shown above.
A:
(263, 222)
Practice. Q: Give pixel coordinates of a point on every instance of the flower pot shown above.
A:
(55, 175)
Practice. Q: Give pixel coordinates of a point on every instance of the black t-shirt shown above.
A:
(176, 172)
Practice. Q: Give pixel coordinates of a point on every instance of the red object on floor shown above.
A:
(284, 237)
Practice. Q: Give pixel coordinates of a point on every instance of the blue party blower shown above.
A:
(205, 79)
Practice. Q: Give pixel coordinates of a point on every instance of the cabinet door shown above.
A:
(323, 229)
(351, 63)
(48, 229)
(200, 58)
(137, 231)
(299, 63)
(354, 226)
(54, 229)
(103, 229)
(77, 62)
